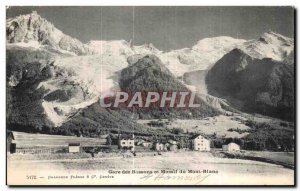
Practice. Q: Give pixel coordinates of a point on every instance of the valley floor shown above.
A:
(201, 168)
(218, 124)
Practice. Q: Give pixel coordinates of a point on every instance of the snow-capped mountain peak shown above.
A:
(269, 45)
(122, 47)
(113, 47)
(147, 48)
(33, 28)
(272, 37)
(201, 56)
(222, 42)
(69, 83)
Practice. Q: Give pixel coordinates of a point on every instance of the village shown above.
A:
(26, 143)
(110, 153)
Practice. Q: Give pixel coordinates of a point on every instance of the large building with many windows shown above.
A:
(200, 143)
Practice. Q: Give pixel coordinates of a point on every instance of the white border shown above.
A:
(3, 4)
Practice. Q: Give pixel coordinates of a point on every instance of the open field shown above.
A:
(218, 124)
(222, 170)
(283, 158)
(276, 156)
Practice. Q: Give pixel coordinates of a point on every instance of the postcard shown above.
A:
(150, 95)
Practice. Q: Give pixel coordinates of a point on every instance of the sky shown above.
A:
(165, 27)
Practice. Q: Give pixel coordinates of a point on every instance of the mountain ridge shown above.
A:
(77, 73)
(32, 27)
(254, 85)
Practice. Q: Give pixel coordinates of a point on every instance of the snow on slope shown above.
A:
(215, 48)
(146, 49)
(87, 77)
(121, 47)
(96, 75)
(269, 45)
(32, 28)
(30, 44)
(114, 47)
(201, 56)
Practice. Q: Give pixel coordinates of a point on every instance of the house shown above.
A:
(200, 143)
(126, 143)
(166, 146)
(143, 143)
(173, 147)
(147, 144)
(74, 148)
(172, 142)
(158, 146)
(139, 142)
(231, 147)
(10, 146)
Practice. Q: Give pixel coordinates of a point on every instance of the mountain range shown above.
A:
(51, 77)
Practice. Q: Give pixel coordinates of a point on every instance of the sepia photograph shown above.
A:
(150, 95)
